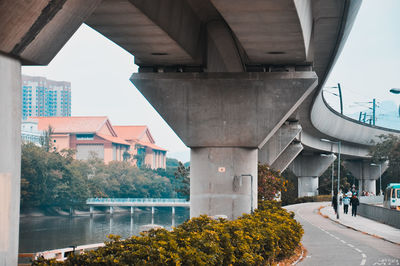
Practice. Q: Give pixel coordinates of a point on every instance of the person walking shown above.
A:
(346, 202)
(354, 202)
(334, 203)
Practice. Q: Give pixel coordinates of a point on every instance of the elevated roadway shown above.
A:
(238, 81)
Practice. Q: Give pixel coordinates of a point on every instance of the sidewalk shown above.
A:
(362, 224)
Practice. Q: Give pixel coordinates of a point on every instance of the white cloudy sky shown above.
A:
(99, 72)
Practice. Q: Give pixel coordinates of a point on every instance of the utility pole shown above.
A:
(373, 111)
(341, 99)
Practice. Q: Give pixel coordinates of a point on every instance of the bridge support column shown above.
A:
(213, 187)
(91, 211)
(132, 210)
(152, 210)
(224, 118)
(10, 158)
(308, 168)
(366, 174)
(111, 210)
(173, 210)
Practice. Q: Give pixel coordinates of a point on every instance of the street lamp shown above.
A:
(395, 90)
(380, 176)
(338, 182)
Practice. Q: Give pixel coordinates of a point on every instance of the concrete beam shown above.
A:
(278, 142)
(35, 31)
(222, 51)
(269, 31)
(308, 168)
(157, 32)
(10, 158)
(225, 109)
(366, 173)
(287, 157)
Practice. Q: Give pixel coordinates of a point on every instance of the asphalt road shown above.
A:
(329, 243)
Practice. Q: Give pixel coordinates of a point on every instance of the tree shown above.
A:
(45, 140)
(182, 175)
(388, 148)
(270, 183)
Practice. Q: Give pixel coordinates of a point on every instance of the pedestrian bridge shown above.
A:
(138, 202)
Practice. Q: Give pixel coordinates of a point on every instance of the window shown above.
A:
(398, 193)
(84, 136)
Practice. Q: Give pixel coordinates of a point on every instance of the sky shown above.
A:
(369, 65)
(99, 72)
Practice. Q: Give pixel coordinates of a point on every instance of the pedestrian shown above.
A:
(354, 202)
(346, 202)
(334, 203)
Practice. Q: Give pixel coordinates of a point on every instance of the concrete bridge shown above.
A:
(238, 81)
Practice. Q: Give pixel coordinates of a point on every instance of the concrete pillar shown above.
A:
(132, 210)
(366, 174)
(287, 157)
(10, 158)
(152, 210)
(91, 211)
(212, 187)
(278, 143)
(308, 168)
(224, 118)
(111, 210)
(173, 210)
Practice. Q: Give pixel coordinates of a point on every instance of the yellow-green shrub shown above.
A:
(267, 235)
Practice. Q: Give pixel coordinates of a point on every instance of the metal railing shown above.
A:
(135, 200)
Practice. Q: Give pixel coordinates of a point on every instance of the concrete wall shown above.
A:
(380, 214)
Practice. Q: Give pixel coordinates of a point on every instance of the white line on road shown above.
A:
(363, 255)
(350, 245)
(344, 242)
(358, 250)
(363, 262)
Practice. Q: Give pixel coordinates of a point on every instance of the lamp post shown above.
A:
(338, 182)
(380, 176)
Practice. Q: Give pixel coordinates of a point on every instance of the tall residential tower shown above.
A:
(43, 97)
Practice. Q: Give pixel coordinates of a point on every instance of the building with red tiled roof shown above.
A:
(94, 135)
(88, 135)
(143, 149)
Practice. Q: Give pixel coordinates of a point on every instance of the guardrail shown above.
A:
(380, 214)
(134, 200)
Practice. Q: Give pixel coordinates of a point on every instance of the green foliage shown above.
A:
(55, 179)
(182, 175)
(388, 148)
(268, 235)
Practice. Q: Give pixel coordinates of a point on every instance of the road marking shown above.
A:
(363, 262)
(364, 257)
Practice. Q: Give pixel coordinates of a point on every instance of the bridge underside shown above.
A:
(196, 62)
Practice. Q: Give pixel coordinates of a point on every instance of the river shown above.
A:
(45, 233)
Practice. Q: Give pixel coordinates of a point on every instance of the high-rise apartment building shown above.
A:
(43, 97)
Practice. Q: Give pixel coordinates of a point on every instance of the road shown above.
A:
(329, 243)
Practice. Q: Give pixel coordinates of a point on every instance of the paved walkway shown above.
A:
(362, 224)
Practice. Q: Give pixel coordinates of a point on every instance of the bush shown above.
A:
(268, 235)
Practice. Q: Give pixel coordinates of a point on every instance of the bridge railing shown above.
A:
(135, 200)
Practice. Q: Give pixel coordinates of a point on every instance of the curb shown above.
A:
(347, 226)
(301, 256)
